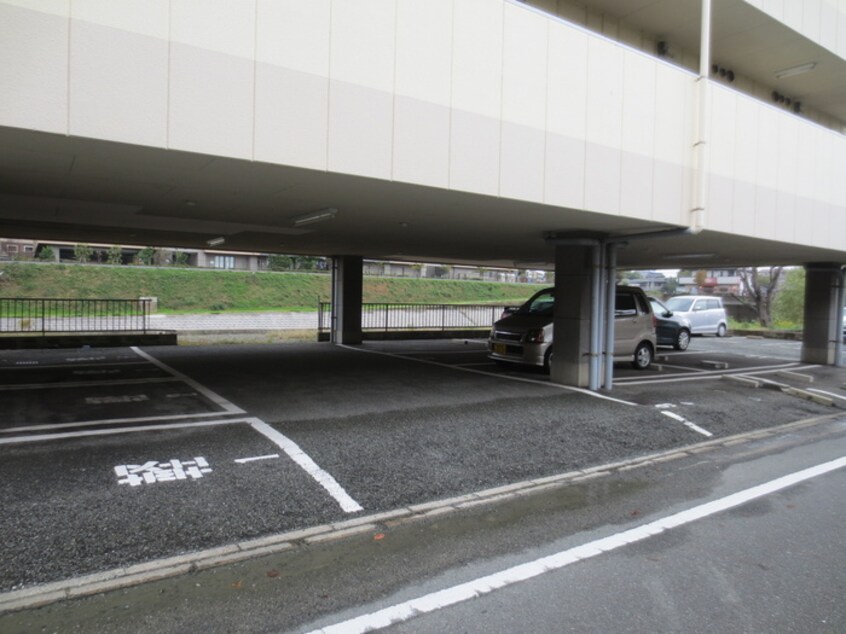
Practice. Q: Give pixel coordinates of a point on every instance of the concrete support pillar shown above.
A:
(822, 297)
(347, 293)
(571, 327)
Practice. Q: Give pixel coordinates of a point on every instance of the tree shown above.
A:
(114, 255)
(145, 256)
(789, 303)
(699, 279)
(47, 254)
(82, 253)
(760, 287)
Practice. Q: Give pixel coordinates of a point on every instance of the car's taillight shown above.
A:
(654, 321)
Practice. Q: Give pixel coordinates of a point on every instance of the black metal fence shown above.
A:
(394, 317)
(42, 316)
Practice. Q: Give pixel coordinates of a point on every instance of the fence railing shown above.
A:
(392, 317)
(42, 316)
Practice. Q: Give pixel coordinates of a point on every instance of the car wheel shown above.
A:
(546, 358)
(642, 356)
(721, 330)
(682, 339)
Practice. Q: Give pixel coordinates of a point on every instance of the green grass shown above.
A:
(181, 290)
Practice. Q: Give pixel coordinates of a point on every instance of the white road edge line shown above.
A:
(687, 423)
(254, 458)
(484, 585)
(301, 458)
(568, 388)
(215, 398)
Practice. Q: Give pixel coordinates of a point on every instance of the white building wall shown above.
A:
(822, 21)
(483, 96)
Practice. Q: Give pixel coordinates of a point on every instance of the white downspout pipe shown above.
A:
(611, 292)
(702, 121)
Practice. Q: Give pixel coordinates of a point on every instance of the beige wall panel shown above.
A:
(360, 130)
(524, 76)
(291, 116)
(477, 57)
(214, 116)
(522, 166)
(423, 91)
(421, 142)
(119, 83)
(564, 180)
(638, 135)
(34, 75)
(474, 153)
(292, 82)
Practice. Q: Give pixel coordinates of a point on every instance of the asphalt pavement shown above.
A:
(122, 460)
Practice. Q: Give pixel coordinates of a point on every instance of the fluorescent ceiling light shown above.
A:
(315, 216)
(216, 242)
(795, 70)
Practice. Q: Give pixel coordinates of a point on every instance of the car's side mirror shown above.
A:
(668, 313)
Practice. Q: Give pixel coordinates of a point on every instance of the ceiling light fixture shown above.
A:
(216, 242)
(315, 216)
(795, 70)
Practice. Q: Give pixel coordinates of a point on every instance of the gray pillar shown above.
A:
(822, 294)
(572, 316)
(347, 281)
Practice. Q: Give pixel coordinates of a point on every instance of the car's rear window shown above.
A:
(679, 304)
(543, 304)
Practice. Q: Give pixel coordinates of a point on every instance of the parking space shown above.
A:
(126, 455)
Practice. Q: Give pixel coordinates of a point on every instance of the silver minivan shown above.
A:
(525, 336)
(704, 312)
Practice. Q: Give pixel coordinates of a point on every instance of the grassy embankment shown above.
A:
(202, 291)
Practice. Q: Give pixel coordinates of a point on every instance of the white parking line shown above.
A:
(520, 379)
(709, 374)
(687, 423)
(832, 394)
(255, 458)
(484, 585)
(111, 431)
(43, 386)
(301, 458)
(215, 398)
(69, 365)
(105, 421)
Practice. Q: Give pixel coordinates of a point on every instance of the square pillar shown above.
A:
(347, 293)
(821, 330)
(571, 323)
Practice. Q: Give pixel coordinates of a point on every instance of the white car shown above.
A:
(704, 312)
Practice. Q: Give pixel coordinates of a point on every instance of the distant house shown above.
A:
(11, 249)
(650, 281)
(715, 282)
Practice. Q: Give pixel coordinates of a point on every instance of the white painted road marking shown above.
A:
(520, 379)
(105, 421)
(51, 386)
(709, 374)
(301, 458)
(254, 458)
(831, 394)
(485, 585)
(122, 430)
(215, 398)
(153, 471)
(687, 423)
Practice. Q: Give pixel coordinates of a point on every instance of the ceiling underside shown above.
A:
(54, 187)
